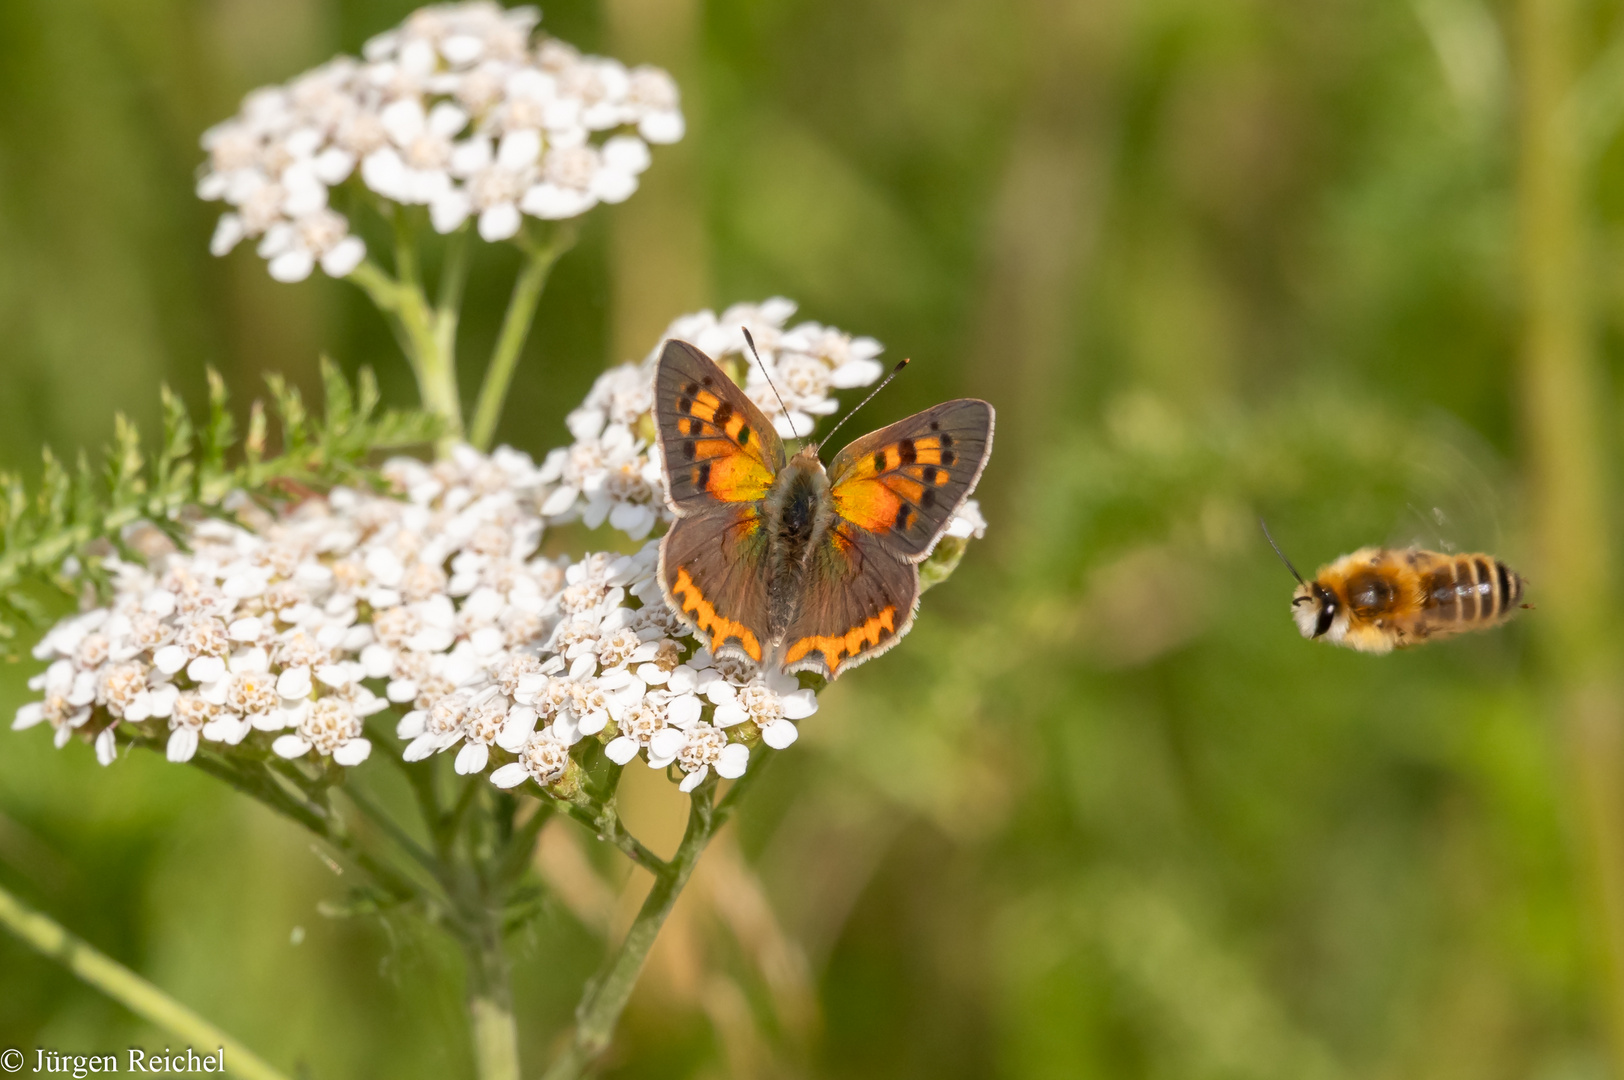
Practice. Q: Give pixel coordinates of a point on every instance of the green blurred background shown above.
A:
(1105, 815)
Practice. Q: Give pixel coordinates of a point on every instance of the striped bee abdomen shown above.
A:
(1468, 590)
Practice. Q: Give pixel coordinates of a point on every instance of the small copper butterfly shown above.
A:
(783, 562)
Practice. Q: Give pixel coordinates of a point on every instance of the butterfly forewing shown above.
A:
(715, 442)
(859, 600)
(903, 482)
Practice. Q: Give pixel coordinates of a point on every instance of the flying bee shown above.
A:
(1380, 599)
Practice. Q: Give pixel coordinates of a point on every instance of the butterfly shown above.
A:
(782, 562)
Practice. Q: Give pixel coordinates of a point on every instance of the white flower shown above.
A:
(544, 759)
(495, 181)
(330, 727)
(296, 247)
(967, 522)
(549, 133)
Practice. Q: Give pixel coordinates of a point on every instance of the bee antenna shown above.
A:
(887, 382)
(761, 364)
(1280, 553)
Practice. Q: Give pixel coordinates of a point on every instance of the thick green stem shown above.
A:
(129, 989)
(490, 1006)
(607, 994)
(521, 312)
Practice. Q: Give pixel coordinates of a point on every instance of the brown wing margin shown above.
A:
(904, 482)
(713, 573)
(859, 600)
(714, 442)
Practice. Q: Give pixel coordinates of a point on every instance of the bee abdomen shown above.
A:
(1469, 589)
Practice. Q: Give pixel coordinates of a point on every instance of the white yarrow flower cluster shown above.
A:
(461, 109)
(612, 471)
(433, 600)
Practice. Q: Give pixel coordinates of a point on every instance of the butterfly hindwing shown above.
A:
(713, 571)
(714, 441)
(858, 601)
(904, 482)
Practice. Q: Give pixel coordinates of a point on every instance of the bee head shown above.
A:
(1315, 608)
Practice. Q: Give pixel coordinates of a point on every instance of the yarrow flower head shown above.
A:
(463, 109)
(290, 632)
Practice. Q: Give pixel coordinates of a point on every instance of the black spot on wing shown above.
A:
(724, 412)
(906, 452)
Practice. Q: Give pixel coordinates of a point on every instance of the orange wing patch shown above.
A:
(882, 490)
(719, 627)
(722, 455)
(847, 645)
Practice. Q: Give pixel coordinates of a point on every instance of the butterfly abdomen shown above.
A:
(797, 513)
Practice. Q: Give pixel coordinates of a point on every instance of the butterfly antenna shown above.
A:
(752, 343)
(894, 373)
(1280, 553)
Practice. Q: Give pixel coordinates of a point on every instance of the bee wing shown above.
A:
(1456, 493)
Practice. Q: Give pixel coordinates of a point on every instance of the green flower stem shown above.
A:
(604, 819)
(521, 313)
(490, 1005)
(606, 996)
(129, 989)
(427, 336)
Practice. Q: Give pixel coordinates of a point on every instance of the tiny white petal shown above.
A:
(729, 714)
(246, 629)
(353, 752)
(294, 683)
(683, 710)
(621, 750)
(500, 222)
(169, 659)
(472, 758)
(509, 775)
(420, 747)
(799, 705)
(206, 669)
(291, 266)
(665, 743)
(779, 733)
(450, 210)
(378, 661)
(182, 745)
(694, 779)
(106, 747)
(290, 746)
(344, 257)
(732, 761)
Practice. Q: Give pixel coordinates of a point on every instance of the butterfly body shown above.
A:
(786, 563)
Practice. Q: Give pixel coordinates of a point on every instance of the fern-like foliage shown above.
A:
(76, 511)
